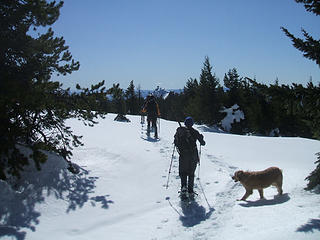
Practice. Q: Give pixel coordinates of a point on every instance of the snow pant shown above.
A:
(187, 165)
(153, 121)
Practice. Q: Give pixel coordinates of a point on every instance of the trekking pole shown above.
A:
(202, 190)
(174, 147)
(205, 197)
(199, 164)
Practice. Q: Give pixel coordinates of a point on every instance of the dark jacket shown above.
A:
(189, 158)
(151, 108)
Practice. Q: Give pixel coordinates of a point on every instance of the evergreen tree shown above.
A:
(140, 98)
(191, 88)
(208, 96)
(310, 46)
(234, 95)
(175, 102)
(310, 100)
(233, 83)
(33, 109)
(314, 177)
(118, 101)
(232, 79)
(131, 99)
(191, 101)
(311, 50)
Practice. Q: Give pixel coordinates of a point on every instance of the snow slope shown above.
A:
(121, 192)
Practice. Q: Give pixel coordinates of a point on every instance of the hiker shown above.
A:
(185, 139)
(151, 107)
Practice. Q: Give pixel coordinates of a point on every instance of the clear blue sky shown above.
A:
(164, 42)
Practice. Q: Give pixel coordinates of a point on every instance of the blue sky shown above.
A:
(164, 42)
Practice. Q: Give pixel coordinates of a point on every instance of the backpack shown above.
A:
(183, 139)
(151, 108)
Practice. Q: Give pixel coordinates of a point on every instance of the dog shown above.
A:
(259, 180)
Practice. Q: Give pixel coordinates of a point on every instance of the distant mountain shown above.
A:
(159, 92)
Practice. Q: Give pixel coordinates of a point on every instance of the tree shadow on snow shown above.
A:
(102, 200)
(211, 129)
(18, 206)
(278, 199)
(193, 213)
(12, 232)
(313, 224)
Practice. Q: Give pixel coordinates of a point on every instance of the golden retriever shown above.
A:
(259, 180)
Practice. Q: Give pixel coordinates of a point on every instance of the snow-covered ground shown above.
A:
(121, 192)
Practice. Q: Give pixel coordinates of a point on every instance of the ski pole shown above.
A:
(204, 194)
(199, 164)
(170, 167)
(202, 190)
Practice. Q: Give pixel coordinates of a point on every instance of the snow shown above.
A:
(234, 114)
(121, 192)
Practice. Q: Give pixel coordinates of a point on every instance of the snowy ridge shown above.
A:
(121, 192)
(159, 92)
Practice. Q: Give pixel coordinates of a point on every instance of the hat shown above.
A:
(188, 122)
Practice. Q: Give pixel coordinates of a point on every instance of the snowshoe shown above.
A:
(184, 194)
(192, 195)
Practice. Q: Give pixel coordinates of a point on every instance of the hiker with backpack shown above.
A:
(151, 107)
(185, 140)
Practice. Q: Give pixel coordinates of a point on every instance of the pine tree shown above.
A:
(191, 87)
(310, 46)
(233, 83)
(234, 95)
(311, 108)
(131, 99)
(118, 101)
(314, 177)
(33, 109)
(191, 104)
(311, 104)
(208, 95)
(311, 50)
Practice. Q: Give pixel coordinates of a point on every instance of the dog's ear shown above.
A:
(239, 175)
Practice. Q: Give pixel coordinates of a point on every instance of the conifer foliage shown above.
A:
(205, 99)
(314, 177)
(309, 46)
(33, 109)
(311, 50)
(132, 99)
